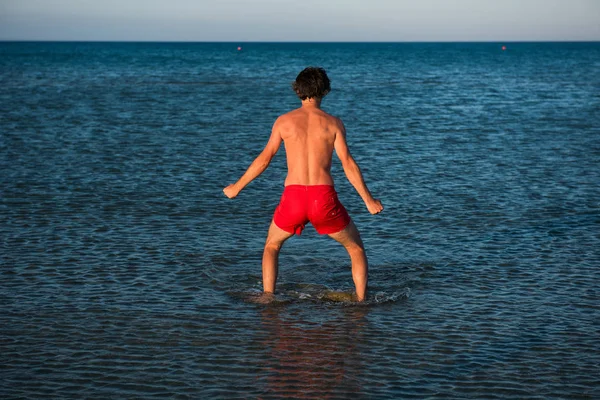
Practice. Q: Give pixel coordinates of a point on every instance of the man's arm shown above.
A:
(353, 173)
(259, 164)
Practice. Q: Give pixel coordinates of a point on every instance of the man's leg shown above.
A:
(275, 239)
(350, 239)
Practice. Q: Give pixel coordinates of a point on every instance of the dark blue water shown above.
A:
(125, 272)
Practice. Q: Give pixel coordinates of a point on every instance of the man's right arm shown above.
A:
(352, 171)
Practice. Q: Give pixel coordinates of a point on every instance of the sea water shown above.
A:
(126, 273)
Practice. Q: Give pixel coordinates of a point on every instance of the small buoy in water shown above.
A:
(503, 48)
(239, 48)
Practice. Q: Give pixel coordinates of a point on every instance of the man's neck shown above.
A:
(311, 102)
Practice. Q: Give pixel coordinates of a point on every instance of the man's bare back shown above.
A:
(310, 136)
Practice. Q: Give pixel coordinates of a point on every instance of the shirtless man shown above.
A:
(310, 135)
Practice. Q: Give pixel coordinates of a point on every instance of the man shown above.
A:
(310, 135)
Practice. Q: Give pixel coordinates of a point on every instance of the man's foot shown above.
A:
(358, 299)
(265, 298)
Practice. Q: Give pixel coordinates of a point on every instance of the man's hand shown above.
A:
(231, 191)
(374, 206)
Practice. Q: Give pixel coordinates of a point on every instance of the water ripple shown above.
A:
(125, 273)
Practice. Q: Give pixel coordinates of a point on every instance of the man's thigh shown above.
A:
(349, 236)
(276, 235)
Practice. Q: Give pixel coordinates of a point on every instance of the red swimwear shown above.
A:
(317, 204)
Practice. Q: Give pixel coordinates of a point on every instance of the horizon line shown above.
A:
(297, 41)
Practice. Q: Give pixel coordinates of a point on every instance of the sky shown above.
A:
(300, 20)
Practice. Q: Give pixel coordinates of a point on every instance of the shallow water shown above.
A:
(127, 274)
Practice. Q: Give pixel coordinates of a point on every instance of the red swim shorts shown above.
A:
(316, 204)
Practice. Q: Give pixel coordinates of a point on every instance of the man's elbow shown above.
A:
(263, 161)
(348, 163)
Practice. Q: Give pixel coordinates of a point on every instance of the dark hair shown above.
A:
(312, 82)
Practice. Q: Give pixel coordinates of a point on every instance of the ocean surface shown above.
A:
(126, 273)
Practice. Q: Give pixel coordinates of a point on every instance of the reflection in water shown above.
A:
(312, 360)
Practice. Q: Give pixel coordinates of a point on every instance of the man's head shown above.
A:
(312, 82)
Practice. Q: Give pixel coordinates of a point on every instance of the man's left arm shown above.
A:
(259, 165)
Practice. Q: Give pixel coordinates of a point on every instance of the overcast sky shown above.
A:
(300, 20)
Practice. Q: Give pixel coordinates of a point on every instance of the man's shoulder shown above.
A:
(289, 116)
(285, 117)
(331, 120)
(334, 121)
(282, 122)
(292, 116)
